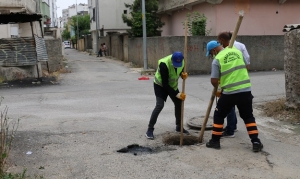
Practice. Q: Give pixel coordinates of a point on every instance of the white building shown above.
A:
(109, 17)
(21, 29)
(53, 13)
(71, 11)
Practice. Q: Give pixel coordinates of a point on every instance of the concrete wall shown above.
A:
(30, 5)
(81, 45)
(94, 42)
(116, 49)
(292, 66)
(25, 29)
(262, 17)
(88, 42)
(5, 31)
(17, 73)
(54, 49)
(125, 48)
(266, 52)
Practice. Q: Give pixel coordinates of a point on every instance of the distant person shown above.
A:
(104, 49)
(170, 68)
(100, 51)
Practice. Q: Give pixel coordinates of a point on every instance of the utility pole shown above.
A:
(77, 27)
(144, 36)
(97, 25)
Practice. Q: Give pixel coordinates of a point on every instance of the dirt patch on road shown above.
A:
(278, 110)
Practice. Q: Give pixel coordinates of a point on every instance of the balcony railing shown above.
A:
(17, 5)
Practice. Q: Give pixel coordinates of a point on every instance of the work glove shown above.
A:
(218, 93)
(184, 75)
(181, 96)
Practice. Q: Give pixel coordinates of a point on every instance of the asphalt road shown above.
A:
(73, 129)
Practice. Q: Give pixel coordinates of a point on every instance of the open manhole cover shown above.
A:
(196, 123)
(174, 139)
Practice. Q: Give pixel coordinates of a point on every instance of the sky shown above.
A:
(64, 4)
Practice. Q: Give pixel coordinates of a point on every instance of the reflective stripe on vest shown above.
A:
(233, 69)
(234, 74)
(173, 76)
(236, 84)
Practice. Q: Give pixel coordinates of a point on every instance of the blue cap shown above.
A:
(177, 59)
(211, 45)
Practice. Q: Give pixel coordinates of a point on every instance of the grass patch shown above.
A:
(8, 130)
(21, 176)
(278, 110)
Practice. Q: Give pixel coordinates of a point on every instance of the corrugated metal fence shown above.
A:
(41, 48)
(18, 52)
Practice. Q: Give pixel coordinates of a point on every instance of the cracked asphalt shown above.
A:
(74, 129)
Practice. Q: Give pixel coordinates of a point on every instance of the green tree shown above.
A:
(66, 33)
(134, 20)
(196, 24)
(83, 25)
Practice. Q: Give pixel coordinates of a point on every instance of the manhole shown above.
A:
(174, 139)
(196, 123)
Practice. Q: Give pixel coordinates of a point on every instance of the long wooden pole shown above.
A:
(183, 82)
(213, 94)
(236, 30)
(211, 102)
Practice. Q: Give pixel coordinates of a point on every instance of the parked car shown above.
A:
(67, 44)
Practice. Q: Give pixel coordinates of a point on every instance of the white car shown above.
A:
(67, 44)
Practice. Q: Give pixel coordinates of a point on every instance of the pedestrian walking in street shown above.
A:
(229, 68)
(170, 68)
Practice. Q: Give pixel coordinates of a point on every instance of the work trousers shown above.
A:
(231, 122)
(160, 105)
(243, 101)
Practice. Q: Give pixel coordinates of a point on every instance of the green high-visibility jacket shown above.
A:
(173, 76)
(234, 74)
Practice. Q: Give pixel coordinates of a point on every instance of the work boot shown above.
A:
(213, 144)
(178, 129)
(149, 133)
(257, 146)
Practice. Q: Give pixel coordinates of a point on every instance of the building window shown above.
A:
(125, 12)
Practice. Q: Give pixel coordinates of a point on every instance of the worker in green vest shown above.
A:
(229, 67)
(170, 68)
